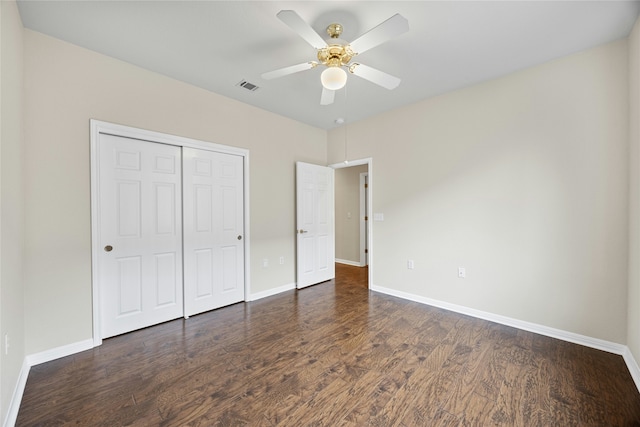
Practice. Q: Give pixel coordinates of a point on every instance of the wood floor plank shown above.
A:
(332, 354)
(462, 397)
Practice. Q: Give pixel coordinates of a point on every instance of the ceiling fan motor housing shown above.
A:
(335, 55)
(337, 52)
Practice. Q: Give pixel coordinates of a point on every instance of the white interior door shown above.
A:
(213, 230)
(315, 224)
(140, 234)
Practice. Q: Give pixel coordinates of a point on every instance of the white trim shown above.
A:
(247, 229)
(58, 352)
(271, 292)
(364, 195)
(16, 398)
(95, 133)
(596, 343)
(347, 262)
(99, 127)
(36, 359)
(632, 364)
(369, 162)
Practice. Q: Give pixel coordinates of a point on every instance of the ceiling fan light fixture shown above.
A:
(333, 78)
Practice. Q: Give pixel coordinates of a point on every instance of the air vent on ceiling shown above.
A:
(248, 86)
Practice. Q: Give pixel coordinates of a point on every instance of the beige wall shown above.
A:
(523, 180)
(347, 197)
(633, 321)
(11, 201)
(67, 86)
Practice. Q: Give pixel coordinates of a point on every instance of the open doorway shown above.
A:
(352, 219)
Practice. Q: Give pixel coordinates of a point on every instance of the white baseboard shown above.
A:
(36, 359)
(16, 398)
(509, 321)
(584, 340)
(632, 364)
(271, 292)
(58, 352)
(347, 262)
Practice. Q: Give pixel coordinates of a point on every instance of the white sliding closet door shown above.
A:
(140, 234)
(213, 185)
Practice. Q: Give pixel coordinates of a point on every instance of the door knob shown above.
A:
(239, 237)
(108, 248)
(303, 231)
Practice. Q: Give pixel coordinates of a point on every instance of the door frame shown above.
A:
(98, 127)
(369, 162)
(364, 212)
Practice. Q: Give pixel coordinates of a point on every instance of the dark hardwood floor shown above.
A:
(333, 354)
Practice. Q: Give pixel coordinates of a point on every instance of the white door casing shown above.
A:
(213, 230)
(140, 234)
(315, 224)
(364, 218)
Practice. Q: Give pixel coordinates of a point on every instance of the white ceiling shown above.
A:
(216, 44)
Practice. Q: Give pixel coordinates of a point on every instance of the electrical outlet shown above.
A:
(410, 264)
(281, 260)
(462, 272)
(6, 344)
(265, 263)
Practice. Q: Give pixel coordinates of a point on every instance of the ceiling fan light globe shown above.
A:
(333, 78)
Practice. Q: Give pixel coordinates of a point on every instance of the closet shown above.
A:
(168, 228)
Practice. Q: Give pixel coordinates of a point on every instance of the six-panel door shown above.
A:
(140, 261)
(213, 230)
(316, 224)
(171, 224)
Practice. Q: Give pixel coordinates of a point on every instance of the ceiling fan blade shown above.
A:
(389, 29)
(288, 70)
(327, 96)
(300, 26)
(378, 77)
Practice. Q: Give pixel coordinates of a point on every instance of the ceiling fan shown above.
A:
(336, 54)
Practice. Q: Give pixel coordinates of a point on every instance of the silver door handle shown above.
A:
(302, 231)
